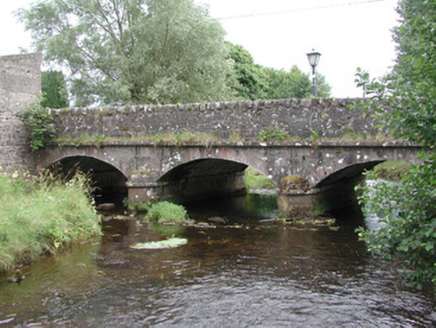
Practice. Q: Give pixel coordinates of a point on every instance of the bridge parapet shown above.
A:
(246, 119)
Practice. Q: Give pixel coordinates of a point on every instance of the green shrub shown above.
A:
(139, 207)
(166, 211)
(273, 134)
(42, 215)
(39, 125)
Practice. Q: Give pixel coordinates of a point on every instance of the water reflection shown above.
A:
(257, 275)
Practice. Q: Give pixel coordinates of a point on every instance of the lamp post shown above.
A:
(313, 61)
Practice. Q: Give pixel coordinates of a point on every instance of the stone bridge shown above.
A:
(192, 172)
(330, 147)
(195, 151)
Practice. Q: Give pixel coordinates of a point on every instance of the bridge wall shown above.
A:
(145, 165)
(20, 83)
(246, 119)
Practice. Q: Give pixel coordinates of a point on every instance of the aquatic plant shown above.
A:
(166, 211)
(161, 244)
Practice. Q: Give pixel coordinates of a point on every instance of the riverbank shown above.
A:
(41, 214)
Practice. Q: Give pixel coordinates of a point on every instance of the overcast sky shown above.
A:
(279, 33)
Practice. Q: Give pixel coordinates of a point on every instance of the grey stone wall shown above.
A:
(298, 117)
(20, 83)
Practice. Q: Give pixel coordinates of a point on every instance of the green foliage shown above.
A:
(256, 180)
(392, 170)
(408, 209)
(139, 207)
(54, 90)
(250, 76)
(258, 82)
(166, 211)
(408, 221)
(133, 51)
(272, 134)
(39, 125)
(40, 215)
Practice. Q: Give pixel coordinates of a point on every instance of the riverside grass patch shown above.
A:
(42, 214)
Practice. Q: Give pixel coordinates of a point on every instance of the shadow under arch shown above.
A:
(337, 195)
(347, 174)
(108, 181)
(205, 178)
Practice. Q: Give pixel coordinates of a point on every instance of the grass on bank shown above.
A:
(40, 215)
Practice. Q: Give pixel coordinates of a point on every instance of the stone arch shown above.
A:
(202, 179)
(348, 174)
(337, 190)
(109, 182)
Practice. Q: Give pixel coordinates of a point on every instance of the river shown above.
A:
(245, 274)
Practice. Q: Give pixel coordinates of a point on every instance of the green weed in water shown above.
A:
(166, 211)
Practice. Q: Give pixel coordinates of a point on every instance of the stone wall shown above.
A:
(20, 83)
(246, 119)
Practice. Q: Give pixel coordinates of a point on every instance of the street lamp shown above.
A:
(313, 61)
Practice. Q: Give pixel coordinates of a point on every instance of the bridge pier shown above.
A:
(294, 203)
(142, 188)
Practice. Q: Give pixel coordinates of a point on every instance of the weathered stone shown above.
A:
(20, 82)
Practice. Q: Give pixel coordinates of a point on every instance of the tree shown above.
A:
(258, 82)
(54, 90)
(250, 76)
(408, 209)
(293, 84)
(133, 51)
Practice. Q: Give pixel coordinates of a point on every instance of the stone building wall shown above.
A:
(20, 83)
(246, 119)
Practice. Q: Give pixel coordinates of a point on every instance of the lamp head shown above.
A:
(313, 58)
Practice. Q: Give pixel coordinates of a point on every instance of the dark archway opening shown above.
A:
(204, 179)
(215, 188)
(337, 195)
(108, 182)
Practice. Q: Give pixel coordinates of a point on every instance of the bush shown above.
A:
(166, 211)
(42, 215)
(408, 221)
(39, 125)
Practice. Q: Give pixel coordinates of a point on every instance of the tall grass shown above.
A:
(41, 214)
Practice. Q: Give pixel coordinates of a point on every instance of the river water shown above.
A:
(245, 274)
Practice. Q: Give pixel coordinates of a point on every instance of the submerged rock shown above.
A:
(217, 220)
(105, 206)
(17, 277)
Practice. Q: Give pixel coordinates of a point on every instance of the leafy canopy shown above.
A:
(54, 90)
(258, 82)
(133, 51)
(408, 209)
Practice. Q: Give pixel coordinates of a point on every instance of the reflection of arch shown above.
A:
(110, 183)
(204, 178)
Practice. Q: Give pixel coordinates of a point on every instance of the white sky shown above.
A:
(348, 34)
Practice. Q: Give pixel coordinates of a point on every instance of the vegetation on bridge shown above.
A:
(408, 209)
